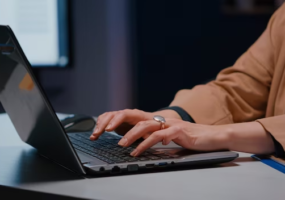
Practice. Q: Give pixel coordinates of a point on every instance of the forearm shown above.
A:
(248, 137)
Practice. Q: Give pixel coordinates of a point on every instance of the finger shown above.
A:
(146, 135)
(129, 116)
(143, 129)
(172, 135)
(102, 122)
(172, 123)
(158, 136)
(140, 129)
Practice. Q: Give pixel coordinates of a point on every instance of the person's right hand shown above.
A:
(124, 120)
(120, 121)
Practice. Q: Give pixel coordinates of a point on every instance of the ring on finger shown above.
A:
(161, 120)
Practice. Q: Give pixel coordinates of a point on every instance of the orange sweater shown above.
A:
(252, 89)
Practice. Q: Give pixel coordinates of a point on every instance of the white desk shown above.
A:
(242, 179)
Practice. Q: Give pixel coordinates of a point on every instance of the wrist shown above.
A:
(223, 137)
(248, 137)
(168, 114)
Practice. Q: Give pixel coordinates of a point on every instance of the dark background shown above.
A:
(168, 44)
(184, 43)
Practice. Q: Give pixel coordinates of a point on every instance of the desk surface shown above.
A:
(243, 178)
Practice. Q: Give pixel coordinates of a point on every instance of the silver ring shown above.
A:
(161, 120)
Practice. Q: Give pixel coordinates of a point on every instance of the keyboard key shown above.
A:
(106, 148)
(119, 160)
(132, 160)
(143, 159)
(145, 154)
(153, 157)
(164, 157)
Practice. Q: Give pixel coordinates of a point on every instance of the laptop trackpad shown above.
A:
(85, 159)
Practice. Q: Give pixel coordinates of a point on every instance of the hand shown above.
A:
(124, 120)
(248, 137)
(120, 121)
(186, 134)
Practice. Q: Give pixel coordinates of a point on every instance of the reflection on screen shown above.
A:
(40, 26)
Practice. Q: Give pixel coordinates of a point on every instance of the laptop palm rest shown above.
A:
(88, 159)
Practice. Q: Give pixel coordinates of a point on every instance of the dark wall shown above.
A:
(88, 62)
(183, 43)
(176, 44)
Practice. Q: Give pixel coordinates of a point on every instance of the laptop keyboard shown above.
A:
(106, 148)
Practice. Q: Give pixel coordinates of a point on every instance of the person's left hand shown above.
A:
(188, 135)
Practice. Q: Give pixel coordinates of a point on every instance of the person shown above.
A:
(243, 109)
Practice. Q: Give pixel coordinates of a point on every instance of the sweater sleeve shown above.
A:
(276, 126)
(239, 93)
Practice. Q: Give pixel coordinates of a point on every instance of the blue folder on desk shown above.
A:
(271, 162)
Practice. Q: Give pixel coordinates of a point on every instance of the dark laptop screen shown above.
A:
(28, 109)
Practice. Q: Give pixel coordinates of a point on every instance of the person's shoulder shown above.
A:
(279, 15)
(276, 27)
(282, 7)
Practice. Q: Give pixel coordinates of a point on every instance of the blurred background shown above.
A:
(93, 56)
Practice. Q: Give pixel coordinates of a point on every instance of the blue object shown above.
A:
(270, 163)
(162, 163)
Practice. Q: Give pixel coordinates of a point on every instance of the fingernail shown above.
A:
(123, 141)
(109, 126)
(92, 137)
(134, 153)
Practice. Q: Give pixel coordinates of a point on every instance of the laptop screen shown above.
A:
(27, 107)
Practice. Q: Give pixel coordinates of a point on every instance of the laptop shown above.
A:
(38, 125)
